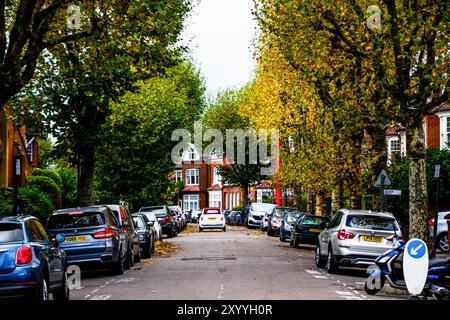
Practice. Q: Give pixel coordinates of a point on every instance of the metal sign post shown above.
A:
(382, 181)
(437, 174)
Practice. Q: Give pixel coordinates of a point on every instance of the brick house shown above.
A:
(436, 126)
(18, 149)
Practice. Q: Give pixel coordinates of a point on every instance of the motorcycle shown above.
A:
(388, 268)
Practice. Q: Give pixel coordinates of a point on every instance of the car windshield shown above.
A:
(150, 216)
(261, 207)
(10, 232)
(139, 222)
(67, 221)
(371, 222)
(314, 221)
(211, 211)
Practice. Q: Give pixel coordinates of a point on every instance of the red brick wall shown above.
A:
(432, 131)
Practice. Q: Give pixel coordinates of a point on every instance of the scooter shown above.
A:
(388, 268)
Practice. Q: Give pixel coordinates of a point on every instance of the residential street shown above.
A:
(237, 264)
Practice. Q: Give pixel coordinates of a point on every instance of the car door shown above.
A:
(326, 235)
(53, 255)
(134, 234)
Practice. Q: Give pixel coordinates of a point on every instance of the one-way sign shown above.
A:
(392, 192)
(383, 175)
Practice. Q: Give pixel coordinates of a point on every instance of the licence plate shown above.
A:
(371, 239)
(211, 218)
(314, 230)
(76, 239)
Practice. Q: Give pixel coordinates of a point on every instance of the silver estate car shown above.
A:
(355, 238)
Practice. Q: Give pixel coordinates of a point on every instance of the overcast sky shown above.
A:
(220, 34)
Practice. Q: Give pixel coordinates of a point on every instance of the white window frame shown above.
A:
(217, 179)
(179, 175)
(192, 177)
(191, 201)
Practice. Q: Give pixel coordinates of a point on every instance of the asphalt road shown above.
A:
(237, 264)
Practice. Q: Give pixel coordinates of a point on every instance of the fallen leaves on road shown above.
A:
(189, 229)
(164, 248)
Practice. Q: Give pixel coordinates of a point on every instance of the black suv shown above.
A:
(127, 225)
(168, 224)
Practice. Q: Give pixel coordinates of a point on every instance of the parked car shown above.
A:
(286, 225)
(146, 233)
(442, 230)
(235, 217)
(125, 220)
(355, 238)
(226, 214)
(92, 236)
(276, 218)
(195, 215)
(257, 212)
(30, 265)
(212, 218)
(180, 216)
(151, 217)
(307, 229)
(168, 223)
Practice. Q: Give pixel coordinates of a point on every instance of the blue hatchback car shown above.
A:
(30, 265)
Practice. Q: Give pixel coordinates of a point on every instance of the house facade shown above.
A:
(18, 151)
(436, 126)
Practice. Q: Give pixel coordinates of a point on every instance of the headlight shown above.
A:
(141, 237)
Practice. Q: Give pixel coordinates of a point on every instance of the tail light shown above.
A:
(24, 255)
(166, 219)
(104, 234)
(344, 235)
(221, 218)
(431, 222)
(201, 218)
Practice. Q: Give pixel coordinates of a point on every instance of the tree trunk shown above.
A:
(379, 161)
(418, 196)
(298, 198)
(245, 194)
(310, 202)
(87, 168)
(321, 204)
(337, 196)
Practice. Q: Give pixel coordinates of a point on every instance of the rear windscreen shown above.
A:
(314, 221)
(211, 211)
(67, 221)
(371, 222)
(139, 222)
(10, 232)
(156, 211)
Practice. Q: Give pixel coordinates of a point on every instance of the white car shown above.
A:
(442, 230)
(257, 213)
(151, 217)
(211, 218)
(195, 215)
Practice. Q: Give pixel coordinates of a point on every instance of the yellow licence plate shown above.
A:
(314, 230)
(76, 239)
(371, 239)
(211, 218)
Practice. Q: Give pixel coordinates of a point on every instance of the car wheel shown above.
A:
(282, 238)
(118, 267)
(137, 257)
(318, 259)
(128, 261)
(200, 229)
(331, 265)
(296, 242)
(63, 293)
(153, 247)
(442, 242)
(224, 229)
(269, 232)
(41, 293)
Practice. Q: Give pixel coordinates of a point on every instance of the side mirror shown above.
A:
(59, 239)
(151, 223)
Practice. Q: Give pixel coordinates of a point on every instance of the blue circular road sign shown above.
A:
(416, 249)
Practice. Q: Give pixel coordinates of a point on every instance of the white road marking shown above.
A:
(321, 277)
(312, 271)
(87, 296)
(353, 298)
(101, 297)
(94, 291)
(344, 293)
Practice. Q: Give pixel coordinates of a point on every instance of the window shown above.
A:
(217, 179)
(192, 154)
(36, 231)
(192, 177)
(448, 131)
(190, 202)
(395, 147)
(336, 220)
(215, 199)
(179, 175)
